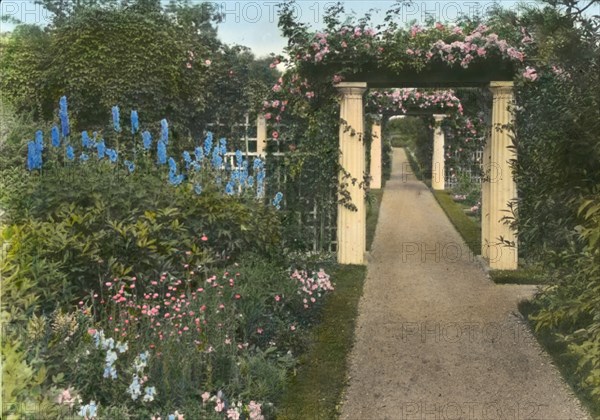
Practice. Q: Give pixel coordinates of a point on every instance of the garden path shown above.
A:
(435, 338)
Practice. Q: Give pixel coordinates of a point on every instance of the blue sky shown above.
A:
(254, 23)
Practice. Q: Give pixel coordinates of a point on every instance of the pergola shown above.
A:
(498, 186)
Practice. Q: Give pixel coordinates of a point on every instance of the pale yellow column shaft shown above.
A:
(261, 135)
(503, 188)
(351, 225)
(375, 167)
(438, 170)
(485, 198)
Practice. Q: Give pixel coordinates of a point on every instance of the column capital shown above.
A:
(502, 88)
(439, 117)
(352, 89)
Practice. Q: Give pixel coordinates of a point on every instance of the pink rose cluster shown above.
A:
(312, 287)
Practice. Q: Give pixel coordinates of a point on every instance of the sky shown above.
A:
(254, 23)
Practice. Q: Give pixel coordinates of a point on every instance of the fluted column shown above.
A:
(438, 170)
(375, 167)
(488, 175)
(503, 188)
(351, 224)
(261, 135)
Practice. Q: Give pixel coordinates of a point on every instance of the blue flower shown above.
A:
(187, 158)
(70, 152)
(149, 392)
(238, 157)
(110, 371)
(100, 147)
(223, 148)
(172, 165)
(130, 167)
(144, 357)
(134, 388)
(164, 131)
(277, 200)
(161, 152)
(198, 189)
(196, 166)
(208, 143)
(147, 140)
(258, 164)
(135, 123)
(85, 139)
(260, 176)
(217, 160)
(116, 119)
(55, 136)
(175, 179)
(32, 156)
(112, 154)
(250, 181)
(84, 157)
(171, 417)
(122, 347)
(229, 188)
(63, 114)
(88, 410)
(199, 152)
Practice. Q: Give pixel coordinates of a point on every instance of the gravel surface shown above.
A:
(435, 338)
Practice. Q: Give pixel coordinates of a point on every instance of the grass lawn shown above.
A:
(468, 228)
(316, 390)
(520, 276)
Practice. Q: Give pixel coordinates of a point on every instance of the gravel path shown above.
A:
(435, 338)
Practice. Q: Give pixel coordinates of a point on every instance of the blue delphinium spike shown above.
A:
(161, 152)
(164, 131)
(172, 165)
(130, 166)
(229, 188)
(135, 123)
(31, 156)
(55, 136)
(187, 159)
(198, 189)
(147, 140)
(199, 152)
(208, 143)
(223, 146)
(85, 139)
(70, 152)
(250, 181)
(101, 148)
(238, 157)
(112, 154)
(84, 157)
(63, 114)
(116, 119)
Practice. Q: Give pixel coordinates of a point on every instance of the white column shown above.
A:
(438, 171)
(375, 167)
(261, 135)
(503, 188)
(351, 223)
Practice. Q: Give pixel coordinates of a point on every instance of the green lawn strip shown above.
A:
(563, 359)
(414, 165)
(373, 215)
(316, 390)
(466, 227)
(520, 276)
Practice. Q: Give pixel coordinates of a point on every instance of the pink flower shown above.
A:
(233, 414)
(205, 396)
(530, 74)
(220, 405)
(259, 330)
(204, 238)
(293, 327)
(189, 65)
(275, 135)
(277, 298)
(481, 52)
(207, 62)
(277, 88)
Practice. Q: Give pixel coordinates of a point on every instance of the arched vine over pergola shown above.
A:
(352, 58)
